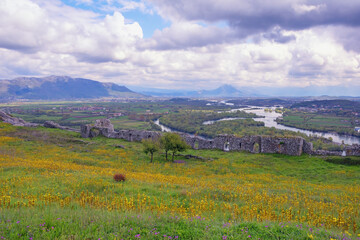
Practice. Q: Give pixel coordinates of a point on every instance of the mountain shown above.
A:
(60, 87)
(222, 91)
(260, 91)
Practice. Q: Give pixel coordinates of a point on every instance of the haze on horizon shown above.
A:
(197, 44)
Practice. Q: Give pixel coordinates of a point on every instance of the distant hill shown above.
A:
(60, 87)
(222, 91)
(330, 104)
(266, 102)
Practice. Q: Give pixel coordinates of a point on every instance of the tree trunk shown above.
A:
(151, 159)
(166, 155)
(173, 156)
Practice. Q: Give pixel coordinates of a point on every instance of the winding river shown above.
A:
(269, 119)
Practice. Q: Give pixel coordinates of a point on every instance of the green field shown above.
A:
(56, 185)
(320, 122)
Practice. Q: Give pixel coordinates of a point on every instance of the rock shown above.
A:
(51, 124)
(15, 121)
(104, 123)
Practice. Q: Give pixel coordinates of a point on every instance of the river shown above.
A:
(167, 129)
(269, 119)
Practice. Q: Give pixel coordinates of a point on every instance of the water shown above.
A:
(167, 129)
(163, 128)
(269, 121)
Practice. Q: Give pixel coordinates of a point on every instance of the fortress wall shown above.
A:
(255, 144)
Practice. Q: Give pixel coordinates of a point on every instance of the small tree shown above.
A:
(174, 143)
(165, 143)
(150, 146)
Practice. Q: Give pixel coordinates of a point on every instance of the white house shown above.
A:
(357, 129)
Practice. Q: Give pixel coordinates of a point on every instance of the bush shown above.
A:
(119, 177)
(344, 161)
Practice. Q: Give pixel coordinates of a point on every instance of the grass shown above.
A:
(126, 123)
(56, 185)
(319, 122)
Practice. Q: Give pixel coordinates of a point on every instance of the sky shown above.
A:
(184, 44)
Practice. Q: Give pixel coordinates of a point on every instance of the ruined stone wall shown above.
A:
(289, 146)
(327, 153)
(353, 150)
(253, 144)
(307, 147)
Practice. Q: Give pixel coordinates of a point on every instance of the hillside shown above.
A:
(61, 87)
(56, 185)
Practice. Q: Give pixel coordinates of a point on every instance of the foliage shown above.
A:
(191, 121)
(172, 142)
(118, 177)
(343, 160)
(321, 121)
(150, 146)
(330, 104)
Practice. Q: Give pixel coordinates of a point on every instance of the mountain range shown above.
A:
(222, 91)
(61, 87)
(230, 91)
(67, 88)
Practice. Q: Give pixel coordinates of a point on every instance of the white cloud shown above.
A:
(27, 27)
(48, 38)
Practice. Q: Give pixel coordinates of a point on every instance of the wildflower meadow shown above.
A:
(56, 185)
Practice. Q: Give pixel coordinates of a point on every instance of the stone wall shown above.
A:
(254, 144)
(353, 150)
(51, 124)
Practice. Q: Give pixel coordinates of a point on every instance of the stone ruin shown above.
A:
(254, 144)
(104, 128)
(51, 124)
(353, 150)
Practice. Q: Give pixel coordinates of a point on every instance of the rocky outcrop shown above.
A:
(5, 117)
(51, 124)
(254, 144)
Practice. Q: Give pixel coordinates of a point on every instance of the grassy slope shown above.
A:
(55, 185)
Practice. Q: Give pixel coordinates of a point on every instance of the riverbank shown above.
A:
(270, 121)
(315, 129)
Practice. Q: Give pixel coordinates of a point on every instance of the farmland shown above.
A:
(327, 122)
(55, 185)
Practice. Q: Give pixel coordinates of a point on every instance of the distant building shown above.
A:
(357, 129)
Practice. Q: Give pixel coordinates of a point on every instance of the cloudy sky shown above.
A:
(190, 44)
